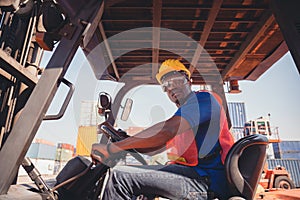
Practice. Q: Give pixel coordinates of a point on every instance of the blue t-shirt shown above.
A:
(202, 111)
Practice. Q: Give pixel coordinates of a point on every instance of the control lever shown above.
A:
(109, 131)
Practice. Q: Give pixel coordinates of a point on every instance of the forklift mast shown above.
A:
(27, 28)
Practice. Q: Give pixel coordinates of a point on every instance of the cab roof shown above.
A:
(241, 38)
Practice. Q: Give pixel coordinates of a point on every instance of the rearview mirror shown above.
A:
(126, 109)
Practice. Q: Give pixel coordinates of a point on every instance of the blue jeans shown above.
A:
(170, 181)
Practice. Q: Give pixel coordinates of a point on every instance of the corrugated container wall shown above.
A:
(287, 150)
(87, 135)
(41, 151)
(237, 115)
(292, 166)
(277, 154)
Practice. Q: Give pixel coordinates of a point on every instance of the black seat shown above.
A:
(244, 164)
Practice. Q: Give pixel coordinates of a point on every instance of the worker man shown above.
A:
(199, 140)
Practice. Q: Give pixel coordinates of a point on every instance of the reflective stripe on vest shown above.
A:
(182, 149)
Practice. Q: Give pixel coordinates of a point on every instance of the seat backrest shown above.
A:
(244, 164)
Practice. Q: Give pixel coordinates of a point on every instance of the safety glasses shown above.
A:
(175, 82)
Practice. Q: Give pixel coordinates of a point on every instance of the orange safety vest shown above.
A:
(182, 149)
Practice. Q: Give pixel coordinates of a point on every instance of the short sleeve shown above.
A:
(197, 109)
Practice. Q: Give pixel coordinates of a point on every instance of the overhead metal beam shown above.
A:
(111, 58)
(250, 41)
(287, 16)
(157, 6)
(206, 31)
(268, 62)
(14, 68)
(92, 27)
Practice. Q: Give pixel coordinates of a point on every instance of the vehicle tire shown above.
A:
(283, 182)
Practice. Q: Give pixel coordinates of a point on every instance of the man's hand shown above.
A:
(99, 152)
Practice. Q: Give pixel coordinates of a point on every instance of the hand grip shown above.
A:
(65, 104)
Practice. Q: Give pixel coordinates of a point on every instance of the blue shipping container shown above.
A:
(287, 150)
(237, 114)
(41, 151)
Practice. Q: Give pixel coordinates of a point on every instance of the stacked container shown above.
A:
(87, 135)
(64, 153)
(287, 150)
(237, 115)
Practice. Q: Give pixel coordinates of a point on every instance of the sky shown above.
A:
(276, 92)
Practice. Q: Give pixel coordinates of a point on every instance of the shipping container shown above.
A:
(65, 146)
(87, 135)
(277, 154)
(291, 165)
(237, 133)
(41, 151)
(287, 150)
(64, 154)
(42, 141)
(237, 115)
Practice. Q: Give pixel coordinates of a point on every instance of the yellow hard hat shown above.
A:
(171, 65)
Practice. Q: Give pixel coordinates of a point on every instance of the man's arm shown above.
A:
(152, 138)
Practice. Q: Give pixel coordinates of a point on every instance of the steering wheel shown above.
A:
(115, 136)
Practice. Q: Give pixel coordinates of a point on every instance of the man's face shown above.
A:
(177, 87)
